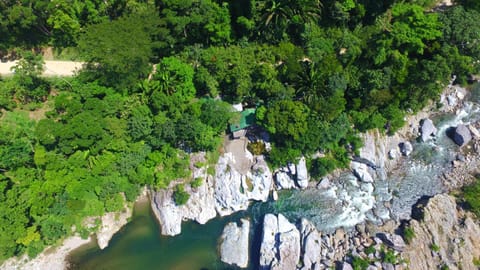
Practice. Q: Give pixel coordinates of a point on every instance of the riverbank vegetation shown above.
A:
(160, 76)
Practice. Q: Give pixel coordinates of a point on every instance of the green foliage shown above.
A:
(389, 256)
(197, 182)
(470, 197)
(118, 51)
(434, 247)
(180, 195)
(256, 148)
(359, 263)
(408, 234)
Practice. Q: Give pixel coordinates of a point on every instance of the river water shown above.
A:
(348, 202)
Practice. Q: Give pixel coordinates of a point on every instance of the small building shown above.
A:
(245, 119)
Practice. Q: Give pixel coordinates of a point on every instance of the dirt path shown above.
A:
(52, 68)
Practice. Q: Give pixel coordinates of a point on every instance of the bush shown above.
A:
(470, 198)
(180, 195)
(359, 263)
(435, 248)
(197, 182)
(256, 148)
(389, 257)
(408, 234)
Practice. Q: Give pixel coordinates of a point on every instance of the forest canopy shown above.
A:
(160, 78)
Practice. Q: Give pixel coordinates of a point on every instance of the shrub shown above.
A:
(256, 148)
(435, 248)
(408, 234)
(197, 182)
(180, 195)
(359, 263)
(470, 198)
(389, 257)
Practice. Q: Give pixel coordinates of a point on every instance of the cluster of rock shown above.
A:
(286, 246)
(443, 236)
(292, 176)
(227, 192)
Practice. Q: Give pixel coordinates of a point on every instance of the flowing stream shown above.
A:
(346, 203)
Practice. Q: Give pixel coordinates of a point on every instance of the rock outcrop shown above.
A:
(445, 236)
(228, 192)
(302, 173)
(462, 135)
(111, 224)
(311, 246)
(427, 129)
(234, 247)
(234, 191)
(280, 247)
(200, 207)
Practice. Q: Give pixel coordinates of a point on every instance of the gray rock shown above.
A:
(462, 135)
(360, 170)
(283, 180)
(427, 129)
(474, 131)
(280, 246)
(311, 243)
(393, 153)
(406, 148)
(234, 244)
(393, 240)
(372, 267)
(346, 266)
(302, 173)
(324, 183)
(388, 266)
(234, 190)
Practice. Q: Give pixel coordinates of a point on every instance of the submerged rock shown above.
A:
(234, 244)
(280, 247)
(461, 135)
(427, 129)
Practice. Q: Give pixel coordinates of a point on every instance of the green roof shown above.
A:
(247, 118)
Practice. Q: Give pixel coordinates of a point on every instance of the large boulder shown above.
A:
(461, 135)
(302, 173)
(280, 247)
(393, 240)
(406, 148)
(427, 129)
(360, 170)
(283, 180)
(311, 245)
(234, 244)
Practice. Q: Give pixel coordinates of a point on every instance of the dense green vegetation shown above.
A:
(469, 198)
(159, 77)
